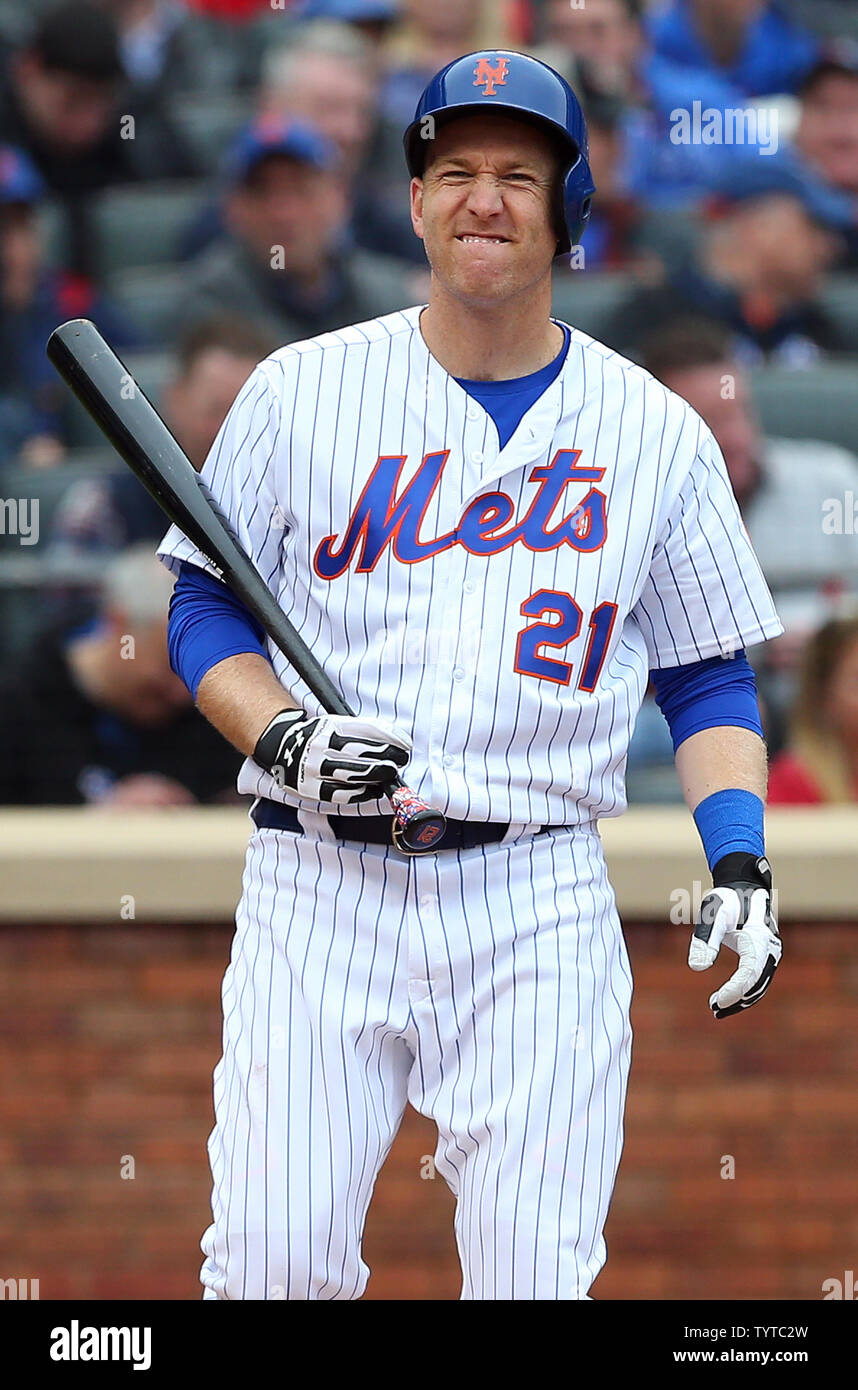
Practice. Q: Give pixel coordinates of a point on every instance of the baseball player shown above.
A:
(491, 530)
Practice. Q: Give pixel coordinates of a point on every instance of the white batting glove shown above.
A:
(738, 913)
(340, 759)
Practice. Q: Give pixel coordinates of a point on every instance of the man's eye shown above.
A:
(519, 178)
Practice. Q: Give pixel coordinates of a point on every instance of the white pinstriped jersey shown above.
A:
(501, 605)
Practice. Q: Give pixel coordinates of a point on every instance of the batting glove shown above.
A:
(738, 913)
(336, 758)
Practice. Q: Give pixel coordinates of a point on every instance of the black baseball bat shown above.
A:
(130, 422)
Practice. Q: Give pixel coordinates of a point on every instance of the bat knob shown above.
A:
(423, 834)
(417, 827)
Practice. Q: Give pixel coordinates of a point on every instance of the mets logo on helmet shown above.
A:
(490, 76)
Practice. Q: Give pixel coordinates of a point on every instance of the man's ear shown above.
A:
(417, 206)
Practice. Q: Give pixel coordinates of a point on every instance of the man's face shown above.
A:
(719, 394)
(828, 130)
(785, 252)
(68, 112)
(601, 32)
(197, 403)
(292, 205)
(338, 97)
(793, 250)
(484, 207)
(451, 20)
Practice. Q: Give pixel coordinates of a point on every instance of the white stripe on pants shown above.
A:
(490, 988)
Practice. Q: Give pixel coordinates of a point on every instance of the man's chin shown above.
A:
(478, 278)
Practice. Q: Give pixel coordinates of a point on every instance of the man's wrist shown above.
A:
(739, 867)
(270, 741)
(731, 822)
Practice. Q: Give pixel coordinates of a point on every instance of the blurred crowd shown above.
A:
(210, 179)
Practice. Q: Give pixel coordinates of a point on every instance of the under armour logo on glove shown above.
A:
(738, 913)
(340, 759)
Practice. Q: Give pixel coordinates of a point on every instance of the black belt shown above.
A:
(375, 830)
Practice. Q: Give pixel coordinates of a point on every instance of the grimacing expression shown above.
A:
(485, 207)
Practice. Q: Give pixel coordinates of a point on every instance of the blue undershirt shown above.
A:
(507, 402)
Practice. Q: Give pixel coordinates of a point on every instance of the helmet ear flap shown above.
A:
(576, 197)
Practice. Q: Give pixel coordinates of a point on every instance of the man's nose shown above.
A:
(485, 198)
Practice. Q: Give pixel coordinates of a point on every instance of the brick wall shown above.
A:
(108, 1037)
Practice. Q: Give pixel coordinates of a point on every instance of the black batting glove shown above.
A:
(339, 759)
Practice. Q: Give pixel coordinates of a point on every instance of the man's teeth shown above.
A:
(495, 240)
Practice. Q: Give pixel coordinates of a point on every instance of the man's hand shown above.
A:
(341, 759)
(738, 913)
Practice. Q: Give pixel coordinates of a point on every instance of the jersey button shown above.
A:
(469, 586)
(477, 456)
(472, 412)
(448, 760)
(458, 673)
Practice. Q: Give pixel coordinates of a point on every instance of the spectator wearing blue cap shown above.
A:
(33, 300)
(284, 260)
(327, 75)
(372, 17)
(757, 269)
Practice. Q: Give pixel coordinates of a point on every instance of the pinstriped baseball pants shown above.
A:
(490, 988)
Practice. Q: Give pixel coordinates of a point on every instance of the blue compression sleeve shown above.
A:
(706, 695)
(207, 624)
(730, 821)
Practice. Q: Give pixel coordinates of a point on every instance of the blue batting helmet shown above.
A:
(524, 87)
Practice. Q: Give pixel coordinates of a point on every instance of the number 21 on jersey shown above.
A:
(529, 660)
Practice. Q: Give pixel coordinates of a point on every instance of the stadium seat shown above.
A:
(141, 226)
(829, 18)
(209, 124)
(814, 403)
(149, 297)
(839, 298)
(586, 300)
(151, 371)
(53, 228)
